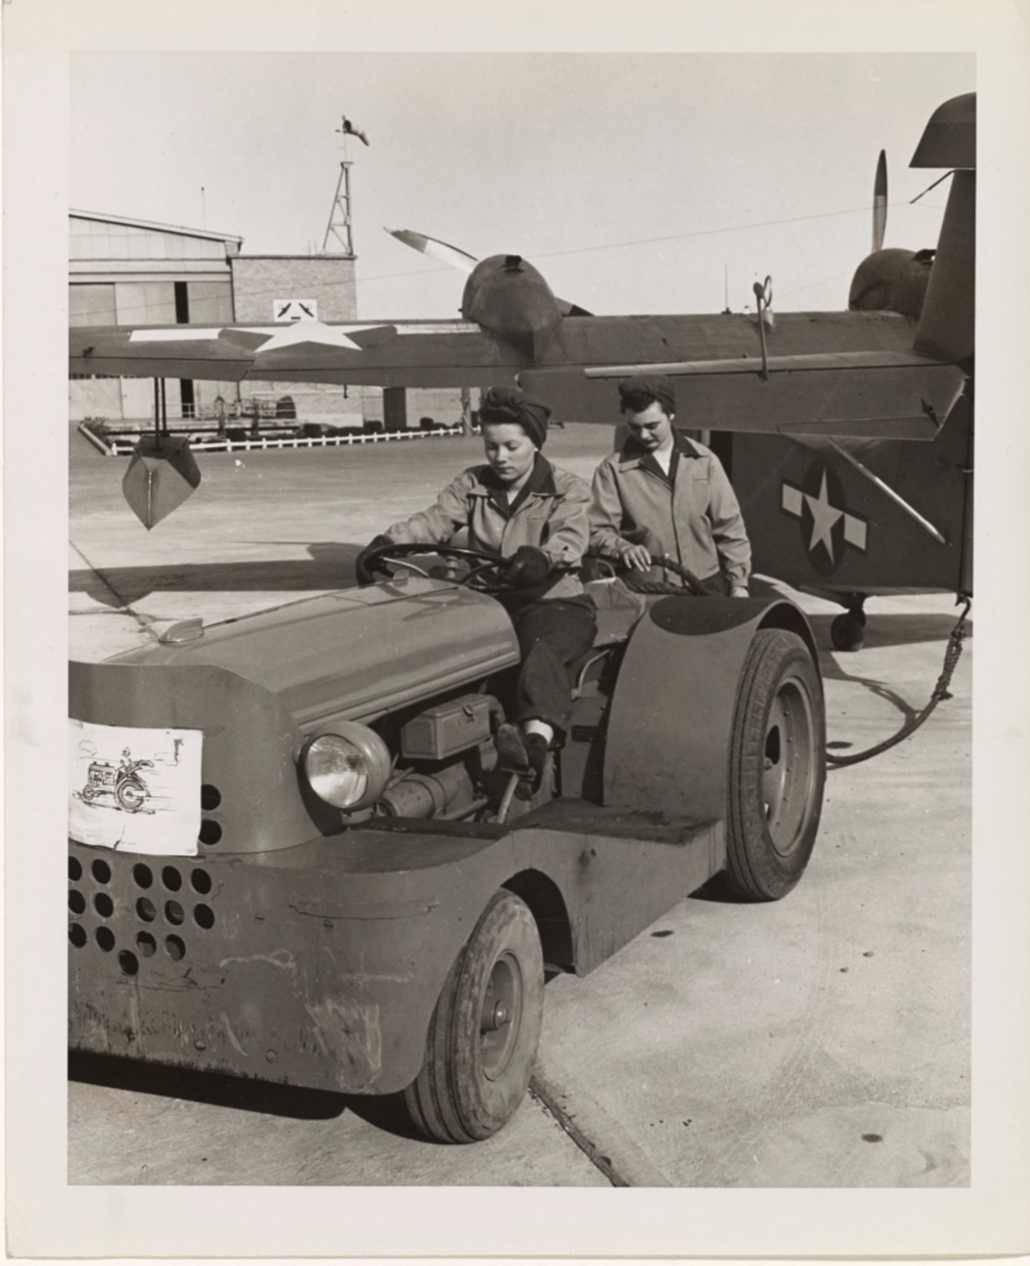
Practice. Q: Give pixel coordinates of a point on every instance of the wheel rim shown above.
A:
(788, 775)
(500, 1017)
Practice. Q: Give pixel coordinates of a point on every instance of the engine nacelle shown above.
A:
(509, 298)
(891, 281)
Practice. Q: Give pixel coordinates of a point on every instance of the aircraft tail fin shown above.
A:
(946, 324)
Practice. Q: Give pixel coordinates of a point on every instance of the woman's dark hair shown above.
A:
(512, 405)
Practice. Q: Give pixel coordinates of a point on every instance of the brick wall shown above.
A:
(258, 280)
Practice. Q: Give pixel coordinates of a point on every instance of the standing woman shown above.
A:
(534, 516)
(663, 493)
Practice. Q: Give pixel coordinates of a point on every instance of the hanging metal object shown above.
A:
(161, 475)
(163, 471)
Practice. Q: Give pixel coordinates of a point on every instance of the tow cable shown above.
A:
(952, 654)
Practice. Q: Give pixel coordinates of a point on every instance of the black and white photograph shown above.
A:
(501, 617)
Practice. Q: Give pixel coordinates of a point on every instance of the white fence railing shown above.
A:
(124, 446)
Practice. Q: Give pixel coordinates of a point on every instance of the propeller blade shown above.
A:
(880, 202)
(462, 260)
(434, 249)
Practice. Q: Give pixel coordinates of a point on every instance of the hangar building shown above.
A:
(136, 272)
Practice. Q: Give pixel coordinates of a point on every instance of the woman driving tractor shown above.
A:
(534, 517)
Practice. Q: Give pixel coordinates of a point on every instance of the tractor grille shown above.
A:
(138, 910)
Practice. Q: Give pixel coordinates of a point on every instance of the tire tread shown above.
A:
(752, 871)
(444, 1100)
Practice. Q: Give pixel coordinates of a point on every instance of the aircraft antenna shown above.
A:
(339, 226)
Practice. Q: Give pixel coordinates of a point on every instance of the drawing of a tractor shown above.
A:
(121, 782)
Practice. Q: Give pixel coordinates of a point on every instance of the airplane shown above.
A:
(847, 435)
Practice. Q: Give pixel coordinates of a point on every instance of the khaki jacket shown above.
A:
(698, 522)
(553, 516)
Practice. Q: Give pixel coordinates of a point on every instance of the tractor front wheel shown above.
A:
(483, 1036)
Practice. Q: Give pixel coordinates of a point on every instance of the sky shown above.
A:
(637, 182)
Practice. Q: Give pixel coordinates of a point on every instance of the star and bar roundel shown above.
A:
(828, 527)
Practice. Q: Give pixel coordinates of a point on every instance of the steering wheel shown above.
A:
(487, 577)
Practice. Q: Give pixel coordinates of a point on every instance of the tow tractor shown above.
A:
(338, 889)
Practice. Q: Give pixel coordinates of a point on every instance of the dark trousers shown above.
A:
(553, 635)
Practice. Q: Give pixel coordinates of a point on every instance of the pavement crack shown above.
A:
(598, 1133)
(590, 1150)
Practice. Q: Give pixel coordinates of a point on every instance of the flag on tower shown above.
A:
(350, 130)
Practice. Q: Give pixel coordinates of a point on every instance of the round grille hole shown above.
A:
(210, 797)
(76, 902)
(103, 905)
(146, 910)
(174, 912)
(128, 962)
(146, 944)
(171, 879)
(105, 939)
(142, 875)
(74, 869)
(174, 947)
(204, 916)
(210, 831)
(101, 872)
(201, 882)
(77, 935)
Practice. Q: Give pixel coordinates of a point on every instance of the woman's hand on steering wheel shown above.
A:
(487, 577)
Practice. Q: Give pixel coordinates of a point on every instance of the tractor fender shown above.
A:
(671, 715)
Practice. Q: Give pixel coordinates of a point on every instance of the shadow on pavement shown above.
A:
(200, 1087)
(383, 1112)
(893, 629)
(718, 891)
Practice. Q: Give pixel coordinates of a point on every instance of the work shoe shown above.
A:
(511, 750)
(525, 755)
(536, 750)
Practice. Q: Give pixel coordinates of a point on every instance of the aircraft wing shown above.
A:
(224, 354)
(844, 374)
(887, 394)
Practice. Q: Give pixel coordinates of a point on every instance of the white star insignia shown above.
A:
(307, 332)
(277, 335)
(824, 517)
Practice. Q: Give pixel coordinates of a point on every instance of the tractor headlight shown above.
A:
(347, 767)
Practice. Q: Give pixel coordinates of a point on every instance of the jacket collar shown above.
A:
(540, 481)
(632, 452)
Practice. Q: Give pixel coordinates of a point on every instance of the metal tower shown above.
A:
(339, 217)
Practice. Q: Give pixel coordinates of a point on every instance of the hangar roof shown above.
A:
(233, 241)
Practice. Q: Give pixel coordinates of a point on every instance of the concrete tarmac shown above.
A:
(820, 1041)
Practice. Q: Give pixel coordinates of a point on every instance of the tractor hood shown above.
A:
(358, 653)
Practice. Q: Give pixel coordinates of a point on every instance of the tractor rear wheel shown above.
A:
(777, 767)
(483, 1036)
